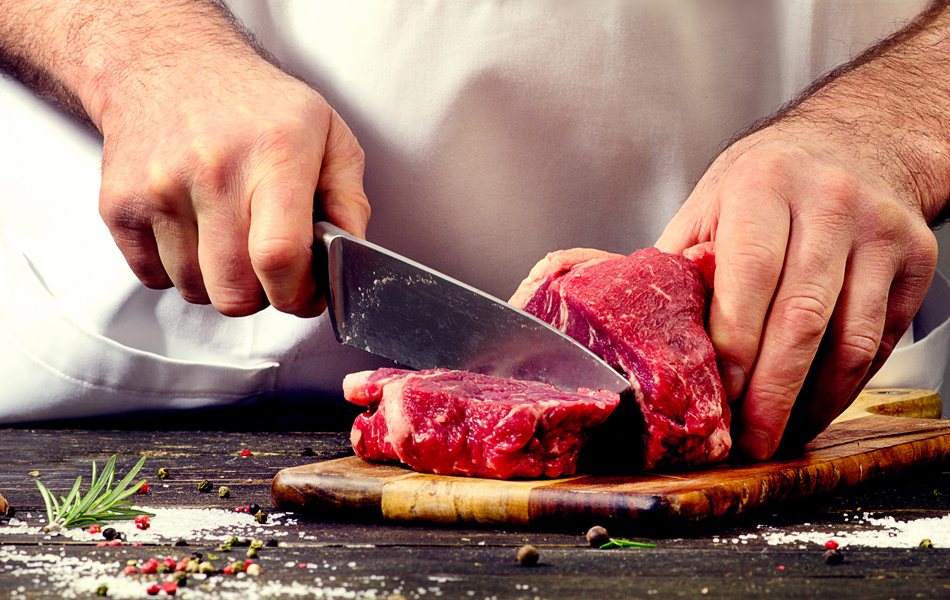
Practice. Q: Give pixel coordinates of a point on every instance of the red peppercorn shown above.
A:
(136, 543)
(182, 565)
(150, 566)
(153, 589)
(143, 489)
(228, 570)
(116, 543)
(831, 544)
(102, 544)
(130, 570)
(248, 563)
(95, 529)
(170, 562)
(246, 452)
(170, 587)
(143, 522)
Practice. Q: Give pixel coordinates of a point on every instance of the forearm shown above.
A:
(87, 54)
(889, 109)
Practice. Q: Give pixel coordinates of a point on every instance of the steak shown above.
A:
(461, 423)
(644, 314)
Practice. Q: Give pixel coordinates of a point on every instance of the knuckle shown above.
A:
(805, 314)
(273, 256)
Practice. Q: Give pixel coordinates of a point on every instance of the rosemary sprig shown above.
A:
(101, 503)
(615, 543)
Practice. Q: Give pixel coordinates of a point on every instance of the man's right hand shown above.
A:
(214, 160)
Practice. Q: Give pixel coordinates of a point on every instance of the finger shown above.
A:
(340, 189)
(803, 305)
(177, 241)
(750, 255)
(129, 222)
(280, 240)
(850, 346)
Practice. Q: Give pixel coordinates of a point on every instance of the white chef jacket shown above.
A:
(494, 132)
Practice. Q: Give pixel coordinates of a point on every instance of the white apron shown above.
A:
(494, 132)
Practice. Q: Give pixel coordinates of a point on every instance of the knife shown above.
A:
(396, 308)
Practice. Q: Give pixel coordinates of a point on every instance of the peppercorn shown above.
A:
(926, 543)
(597, 536)
(143, 522)
(109, 533)
(246, 453)
(153, 589)
(181, 542)
(831, 544)
(308, 452)
(205, 486)
(261, 517)
(163, 473)
(197, 555)
(102, 590)
(833, 556)
(224, 492)
(143, 489)
(130, 570)
(252, 552)
(272, 543)
(253, 509)
(170, 587)
(528, 555)
(206, 568)
(181, 577)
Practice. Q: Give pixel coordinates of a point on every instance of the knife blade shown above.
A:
(393, 307)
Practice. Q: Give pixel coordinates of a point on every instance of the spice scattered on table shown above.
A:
(926, 543)
(308, 452)
(528, 555)
(224, 492)
(142, 522)
(597, 536)
(95, 529)
(833, 556)
(831, 544)
(163, 473)
(153, 589)
(102, 590)
(205, 486)
(246, 453)
(261, 517)
(34, 473)
(143, 489)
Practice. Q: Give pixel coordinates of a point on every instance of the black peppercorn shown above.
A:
(271, 543)
(597, 536)
(528, 555)
(253, 509)
(181, 542)
(308, 452)
(833, 556)
(109, 533)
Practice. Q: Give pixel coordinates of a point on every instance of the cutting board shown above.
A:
(885, 432)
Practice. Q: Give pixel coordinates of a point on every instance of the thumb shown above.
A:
(340, 187)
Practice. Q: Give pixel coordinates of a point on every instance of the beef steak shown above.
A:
(461, 423)
(645, 314)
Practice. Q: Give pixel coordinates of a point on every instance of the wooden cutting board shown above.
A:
(883, 433)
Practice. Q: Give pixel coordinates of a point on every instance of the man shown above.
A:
(497, 132)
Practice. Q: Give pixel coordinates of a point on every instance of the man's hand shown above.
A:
(214, 160)
(820, 224)
(208, 185)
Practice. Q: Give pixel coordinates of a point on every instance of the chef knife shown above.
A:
(396, 308)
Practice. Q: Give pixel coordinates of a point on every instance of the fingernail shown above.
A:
(755, 443)
(733, 378)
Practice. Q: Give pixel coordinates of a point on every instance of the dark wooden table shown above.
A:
(318, 557)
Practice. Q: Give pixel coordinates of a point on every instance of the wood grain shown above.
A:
(866, 443)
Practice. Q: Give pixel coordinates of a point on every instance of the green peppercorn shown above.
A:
(926, 543)
(261, 517)
(102, 590)
(163, 473)
(205, 486)
(206, 568)
(257, 544)
(224, 492)
(252, 552)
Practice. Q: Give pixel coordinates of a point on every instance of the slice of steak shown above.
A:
(461, 423)
(645, 314)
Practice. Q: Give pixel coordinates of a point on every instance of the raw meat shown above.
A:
(461, 423)
(645, 314)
